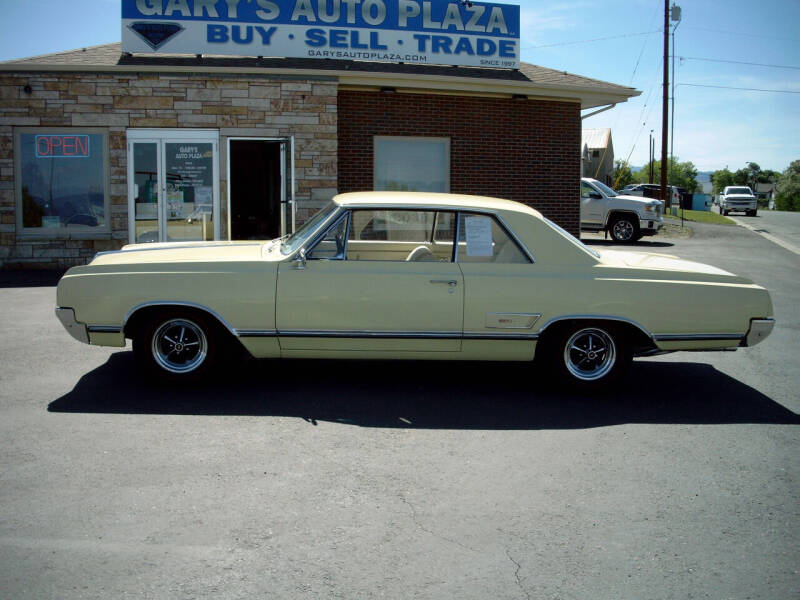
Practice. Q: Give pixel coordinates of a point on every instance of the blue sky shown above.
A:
(715, 127)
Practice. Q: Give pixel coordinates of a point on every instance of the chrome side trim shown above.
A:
(247, 333)
(210, 311)
(410, 335)
(480, 335)
(389, 335)
(533, 318)
(639, 326)
(73, 327)
(104, 329)
(696, 337)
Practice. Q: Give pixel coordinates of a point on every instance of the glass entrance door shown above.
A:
(173, 183)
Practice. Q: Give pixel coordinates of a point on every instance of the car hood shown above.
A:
(740, 196)
(639, 199)
(667, 266)
(182, 252)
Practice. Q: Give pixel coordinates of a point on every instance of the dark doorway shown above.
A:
(255, 183)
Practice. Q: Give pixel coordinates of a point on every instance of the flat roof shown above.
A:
(530, 80)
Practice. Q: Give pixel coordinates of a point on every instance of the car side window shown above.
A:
(586, 189)
(481, 239)
(332, 244)
(400, 235)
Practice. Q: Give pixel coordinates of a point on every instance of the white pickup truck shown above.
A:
(626, 218)
(738, 197)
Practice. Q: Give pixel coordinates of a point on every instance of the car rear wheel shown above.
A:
(176, 347)
(589, 357)
(624, 229)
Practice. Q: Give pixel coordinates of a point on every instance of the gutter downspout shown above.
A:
(597, 112)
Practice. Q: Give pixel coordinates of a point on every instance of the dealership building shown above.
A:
(211, 123)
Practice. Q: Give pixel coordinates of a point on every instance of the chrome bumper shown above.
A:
(75, 329)
(646, 225)
(759, 330)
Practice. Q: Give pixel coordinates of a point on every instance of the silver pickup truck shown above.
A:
(738, 197)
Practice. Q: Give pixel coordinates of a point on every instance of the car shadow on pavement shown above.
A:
(429, 395)
(21, 278)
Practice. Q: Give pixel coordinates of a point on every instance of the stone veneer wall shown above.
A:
(237, 105)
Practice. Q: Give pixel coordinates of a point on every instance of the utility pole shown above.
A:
(676, 16)
(665, 110)
(652, 149)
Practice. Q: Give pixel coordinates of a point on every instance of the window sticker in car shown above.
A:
(479, 236)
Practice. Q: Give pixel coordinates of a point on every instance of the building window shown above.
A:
(62, 180)
(414, 164)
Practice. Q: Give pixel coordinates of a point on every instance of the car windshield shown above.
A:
(607, 191)
(299, 237)
(739, 190)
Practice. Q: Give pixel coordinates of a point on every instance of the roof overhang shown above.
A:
(362, 78)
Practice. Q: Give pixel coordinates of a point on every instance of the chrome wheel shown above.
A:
(623, 230)
(590, 354)
(179, 346)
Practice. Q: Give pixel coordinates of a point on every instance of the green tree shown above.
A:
(721, 179)
(788, 197)
(684, 174)
(622, 174)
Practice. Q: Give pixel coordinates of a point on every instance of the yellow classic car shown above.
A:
(401, 275)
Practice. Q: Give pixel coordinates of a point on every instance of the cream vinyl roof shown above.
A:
(430, 199)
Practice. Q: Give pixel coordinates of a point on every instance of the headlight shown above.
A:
(651, 208)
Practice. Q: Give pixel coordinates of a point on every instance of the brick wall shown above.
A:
(236, 105)
(523, 150)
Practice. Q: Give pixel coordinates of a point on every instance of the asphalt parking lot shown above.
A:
(330, 479)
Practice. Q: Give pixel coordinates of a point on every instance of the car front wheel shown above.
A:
(176, 347)
(624, 229)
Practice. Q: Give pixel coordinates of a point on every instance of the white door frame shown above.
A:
(287, 192)
(161, 137)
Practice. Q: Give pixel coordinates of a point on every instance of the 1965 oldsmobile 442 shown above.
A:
(410, 276)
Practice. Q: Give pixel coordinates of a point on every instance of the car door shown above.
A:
(592, 208)
(501, 306)
(375, 281)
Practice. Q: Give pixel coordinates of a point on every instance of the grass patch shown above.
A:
(700, 216)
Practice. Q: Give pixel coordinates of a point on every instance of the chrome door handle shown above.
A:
(450, 282)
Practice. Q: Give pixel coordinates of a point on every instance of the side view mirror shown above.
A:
(300, 259)
(595, 196)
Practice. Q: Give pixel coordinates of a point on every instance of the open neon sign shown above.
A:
(62, 146)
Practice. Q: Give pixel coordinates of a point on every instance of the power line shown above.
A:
(644, 45)
(726, 87)
(739, 62)
(769, 37)
(601, 39)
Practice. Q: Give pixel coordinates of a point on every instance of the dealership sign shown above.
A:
(402, 31)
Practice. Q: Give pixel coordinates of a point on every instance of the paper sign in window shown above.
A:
(203, 198)
(479, 236)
